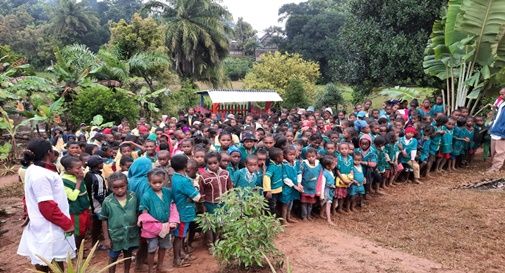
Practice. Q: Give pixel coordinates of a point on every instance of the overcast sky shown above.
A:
(259, 13)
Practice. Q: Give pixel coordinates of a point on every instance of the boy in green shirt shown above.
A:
(119, 221)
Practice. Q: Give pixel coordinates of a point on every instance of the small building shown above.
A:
(238, 101)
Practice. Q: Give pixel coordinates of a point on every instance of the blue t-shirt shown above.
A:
(345, 164)
(183, 193)
(274, 171)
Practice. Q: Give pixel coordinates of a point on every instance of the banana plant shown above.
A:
(466, 49)
(8, 151)
(98, 122)
(149, 101)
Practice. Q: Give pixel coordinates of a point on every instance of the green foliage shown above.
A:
(99, 122)
(92, 100)
(245, 37)
(331, 97)
(406, 93)
(139, 36)
(276, 71)
(72, 21)
(467, 48)
(247, 230)
(237, 67)
(81, 264)
(196, 35)
(313, 29)
(181, 99)
(295, 95)
(382, 43)
(148, 65)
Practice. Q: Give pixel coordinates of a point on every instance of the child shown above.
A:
(247, 148)
(235, 157)
(272, 180)
(199, 156)
(97, 191)
(163, 160)
(77, 196)
(438, 107)
(73, 149)
(311, 170)
(156, 202)
(125, 164)
(119, 221)
(314, 143)
(185, 194)
(187, 147)
(292, 187)
(344, 175)
(329, 163)
(369, 162)
(213, 183)
(382, 160)
(150, 150)
(408, 152)
(436, 141)
(463, 141)
(356, 189)
(248, 177)
(446, 146)
(425, 149)
(225, 160)
(225, 141)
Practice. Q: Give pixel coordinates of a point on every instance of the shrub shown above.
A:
(295, 95)
(247, 230)
(112, 104)
(237, 67)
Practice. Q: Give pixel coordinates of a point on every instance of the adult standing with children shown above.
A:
(49, 228)
(497, 132)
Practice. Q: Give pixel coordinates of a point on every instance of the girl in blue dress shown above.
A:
(292, 178)
(328, 163)
(311, 170)
(357, 188)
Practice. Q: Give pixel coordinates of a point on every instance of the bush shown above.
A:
(237, 67)
(295, 95)
(112, 104)
(181, 100)
(331, 97)
(247, 230)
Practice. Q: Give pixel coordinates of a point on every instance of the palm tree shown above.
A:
(197, 35)
(149, 66)
(71, 21)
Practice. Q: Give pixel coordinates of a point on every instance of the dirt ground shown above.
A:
(414, 228)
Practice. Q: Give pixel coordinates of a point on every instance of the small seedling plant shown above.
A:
(245, 228)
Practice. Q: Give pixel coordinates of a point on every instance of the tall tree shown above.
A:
(312, 29)
(382, 43)
(72, 21)
(196, 36)
(245, 36)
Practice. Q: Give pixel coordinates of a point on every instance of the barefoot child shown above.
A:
(156, 202)
(357, 188)
(185, 195)
(272, 181)
(119, 221)
(344, 175)
(329, 163)
(311, 170)
(292, 177)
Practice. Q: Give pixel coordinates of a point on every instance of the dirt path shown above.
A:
(317, 247)
(325, 249)
(8, 180)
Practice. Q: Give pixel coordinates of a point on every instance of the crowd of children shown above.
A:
(142, 188)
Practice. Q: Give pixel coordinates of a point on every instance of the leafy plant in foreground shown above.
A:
(247, 230)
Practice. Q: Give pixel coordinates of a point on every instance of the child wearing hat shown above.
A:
(408, 151)
(247, 146)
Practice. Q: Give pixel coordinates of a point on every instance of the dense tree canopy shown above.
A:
(313, 29)
(245, 36)
(382, 42)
